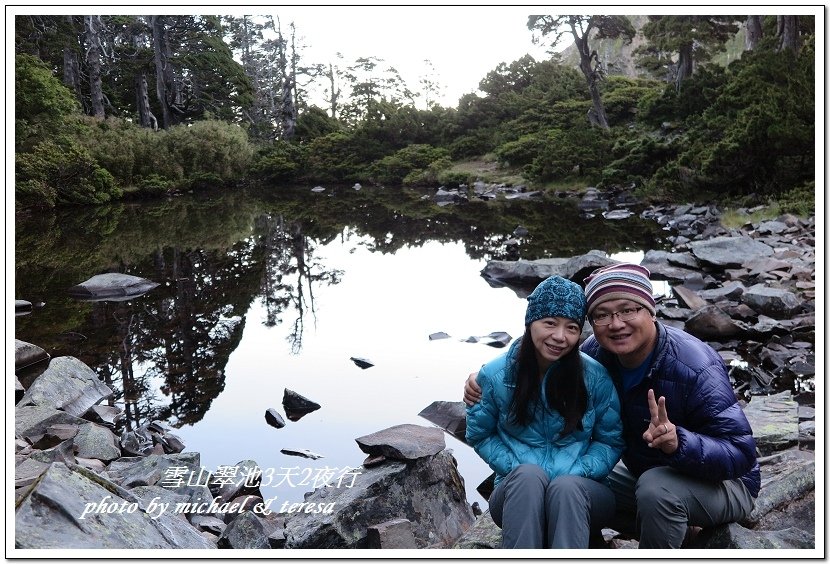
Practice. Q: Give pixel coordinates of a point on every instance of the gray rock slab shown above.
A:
(67, 384)
(403, 442)
(785, 477)
(483, 534)
(448, 415)
(241, 479)
(36, 419)
(429, 492)
(396, 533)
(167, 470)
(273, 418)
(95, 441)
(27, 354)
(113, 286)
(712, 323)
(777, 303)
(774, 421)
(50, 516)
(729, 252)
(733, 536)
(245, 532)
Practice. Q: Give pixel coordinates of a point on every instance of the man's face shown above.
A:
(630, 339)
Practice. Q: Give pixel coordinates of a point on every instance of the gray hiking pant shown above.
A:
(666, 502)
(536, 512)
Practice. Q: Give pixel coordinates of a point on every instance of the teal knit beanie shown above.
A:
(556, 297)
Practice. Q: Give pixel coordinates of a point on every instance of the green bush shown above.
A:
(279, 161)
(413, 165)
(581, 152)
(155, 185)
(313, 123)
(637, 159)
(43, 107)
(520, 152)
(209, 147)
(454, 178)
(800, 200)
(332, 158)
(62, 173)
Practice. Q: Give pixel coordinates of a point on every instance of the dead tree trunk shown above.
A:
(93, 62)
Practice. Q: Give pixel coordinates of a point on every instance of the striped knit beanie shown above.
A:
(620, 281)
(556, 297)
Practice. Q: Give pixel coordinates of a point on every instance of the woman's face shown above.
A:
(553, 338)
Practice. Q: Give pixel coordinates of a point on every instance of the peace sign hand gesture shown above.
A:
(660, 433)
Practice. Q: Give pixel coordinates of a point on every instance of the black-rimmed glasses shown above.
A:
(626, 314)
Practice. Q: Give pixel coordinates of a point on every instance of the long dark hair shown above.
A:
(565, 389)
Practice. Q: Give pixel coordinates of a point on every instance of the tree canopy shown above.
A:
(141, 106)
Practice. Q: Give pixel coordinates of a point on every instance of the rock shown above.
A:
(297, 406)
(274, 419)
(305, 453)
(521, 273)
(688, 297)
(497, 339)
(35, 419)
(105, 414)
(785, 477)
(317, 189)
(729, 291)
(208, 523)
(774, 302)
(361, 362)
(27, 354)
(439, 335)
(168, 470)
(245, 532)
(68, 385)
(483, 534)
(617, 214)
(112, 286)
(711, 323)
(29, 471)
(395, 533)
(138, 442)
(241, 479)
(94, 441)
(774, 421)
(439, 512)
(729, 252)
(448, 415)
(19, 390)
(734, 535)
(403, 442)
(52, 515)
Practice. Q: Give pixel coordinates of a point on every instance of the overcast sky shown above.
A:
(463, 43)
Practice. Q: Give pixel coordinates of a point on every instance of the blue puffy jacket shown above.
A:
(591, 452)
(715, 438)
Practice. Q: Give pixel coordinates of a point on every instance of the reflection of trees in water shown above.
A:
(290, 254)
(164, 354)
(171, 346)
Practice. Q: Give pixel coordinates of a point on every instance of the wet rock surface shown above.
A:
(112, 286)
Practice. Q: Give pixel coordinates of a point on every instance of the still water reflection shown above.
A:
(263, 292)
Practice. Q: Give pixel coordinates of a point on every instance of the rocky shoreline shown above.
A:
(748, 292)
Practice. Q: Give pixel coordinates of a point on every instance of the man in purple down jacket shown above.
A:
(690, 458)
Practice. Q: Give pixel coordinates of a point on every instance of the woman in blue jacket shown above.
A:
(548, 424)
